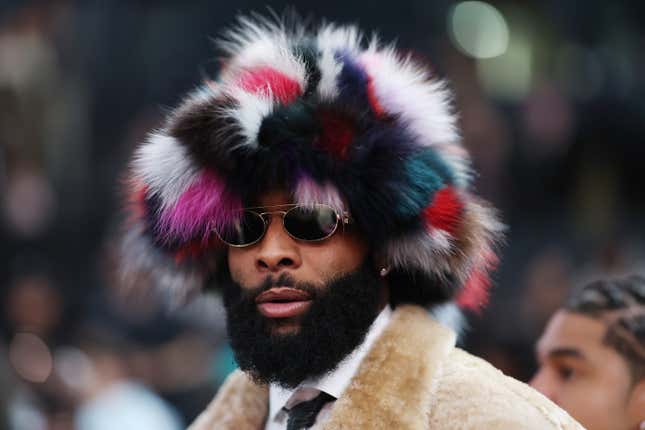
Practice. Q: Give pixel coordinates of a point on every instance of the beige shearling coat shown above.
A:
(412, 378)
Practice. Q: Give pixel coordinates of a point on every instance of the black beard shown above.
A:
(336, 322)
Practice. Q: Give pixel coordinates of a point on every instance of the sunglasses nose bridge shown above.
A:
(267, 217)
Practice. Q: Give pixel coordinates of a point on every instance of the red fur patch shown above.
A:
(189, 251)
(376, 106)
(267, 79)
(337, 133)
(444, 212)
(475, 294)
(197, 248)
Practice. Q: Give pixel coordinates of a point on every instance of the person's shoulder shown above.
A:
(476, 395)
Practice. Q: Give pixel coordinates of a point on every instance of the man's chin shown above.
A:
(284, 327)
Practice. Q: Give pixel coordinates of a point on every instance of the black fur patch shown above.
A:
(208, 134)
(308, 52)
(419, 288)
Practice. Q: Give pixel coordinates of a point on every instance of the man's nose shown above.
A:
(545, 384)
(277, 250)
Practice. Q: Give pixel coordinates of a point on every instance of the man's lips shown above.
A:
(283, 302)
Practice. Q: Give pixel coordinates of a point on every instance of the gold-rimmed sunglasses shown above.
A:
(309, 223)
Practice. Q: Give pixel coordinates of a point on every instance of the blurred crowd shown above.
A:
(559, 153)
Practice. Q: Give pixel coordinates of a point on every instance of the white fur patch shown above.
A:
(442, 240)
(163, 164)
(331, 40)
(248, 114)
(329, 70)
(486, 216)
(420, 251)
(261, 44)
(204, 94)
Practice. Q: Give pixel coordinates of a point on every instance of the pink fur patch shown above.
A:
(267, 80)
(203, 207)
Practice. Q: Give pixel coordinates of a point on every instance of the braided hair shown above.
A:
(620, 303)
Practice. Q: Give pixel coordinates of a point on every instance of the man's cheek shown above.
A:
(237, 275)
(237, 263)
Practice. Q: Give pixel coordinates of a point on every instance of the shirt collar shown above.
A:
(335, 382)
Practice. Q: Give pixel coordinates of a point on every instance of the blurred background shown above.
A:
(552, 103)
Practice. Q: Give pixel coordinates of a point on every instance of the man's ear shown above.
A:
(636, 405)
(382, 268)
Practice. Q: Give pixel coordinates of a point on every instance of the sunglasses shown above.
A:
(309, 223)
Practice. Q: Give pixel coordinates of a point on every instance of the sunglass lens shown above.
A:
(311, 223)
(245, 230)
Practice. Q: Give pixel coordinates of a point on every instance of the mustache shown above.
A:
(283, 280)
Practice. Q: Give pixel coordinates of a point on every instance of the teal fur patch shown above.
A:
(424, 174)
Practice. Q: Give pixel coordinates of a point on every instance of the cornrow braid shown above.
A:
(620, 303)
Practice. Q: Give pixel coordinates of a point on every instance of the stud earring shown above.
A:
(384, 271)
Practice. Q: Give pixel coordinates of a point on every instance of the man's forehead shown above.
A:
(273, 198)
(568, 330)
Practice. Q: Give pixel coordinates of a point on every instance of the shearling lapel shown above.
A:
(394, 386)
(240, 404)
(392, 389)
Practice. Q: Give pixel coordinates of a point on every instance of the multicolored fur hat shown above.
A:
(332, 120)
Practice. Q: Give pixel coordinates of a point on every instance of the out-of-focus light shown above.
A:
(74, 368)
(478, 29)
(29, 202)
(22, 415)
(548, 118)
(509, 76)
(30, 357)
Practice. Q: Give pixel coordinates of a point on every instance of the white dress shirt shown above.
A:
(333, 383)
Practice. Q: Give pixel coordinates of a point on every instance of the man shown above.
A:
(321, 184)
(592, 355)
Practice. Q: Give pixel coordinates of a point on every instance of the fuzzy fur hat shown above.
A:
(333, 120)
